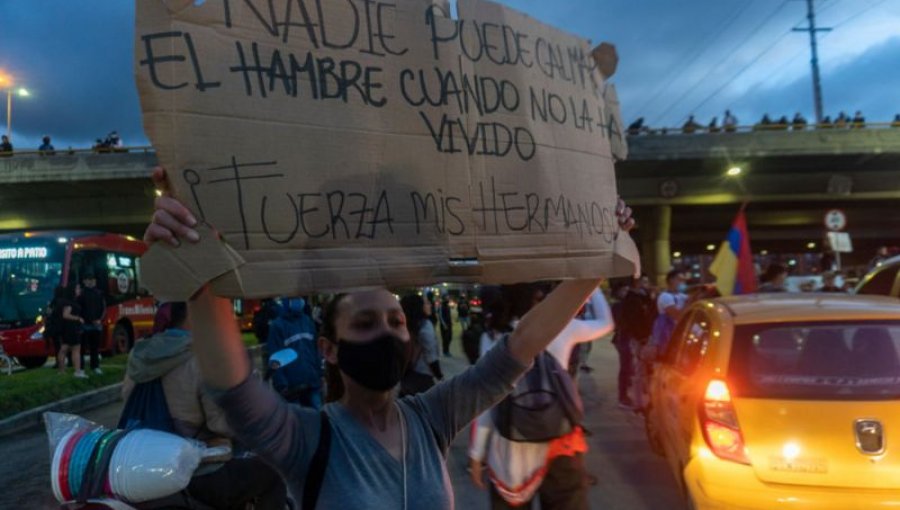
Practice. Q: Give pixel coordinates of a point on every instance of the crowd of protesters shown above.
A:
(112, 143)
(729, 124)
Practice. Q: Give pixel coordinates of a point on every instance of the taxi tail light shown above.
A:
(718, 421)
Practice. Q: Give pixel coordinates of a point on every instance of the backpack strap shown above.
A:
(315, 475)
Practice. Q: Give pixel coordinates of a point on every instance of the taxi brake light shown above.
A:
(718, 421)
(717, 391)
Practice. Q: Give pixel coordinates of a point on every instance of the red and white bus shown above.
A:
(33, 264)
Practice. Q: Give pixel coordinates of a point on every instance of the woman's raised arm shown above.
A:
(217, 344)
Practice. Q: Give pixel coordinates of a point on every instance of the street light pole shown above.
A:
(9, 112)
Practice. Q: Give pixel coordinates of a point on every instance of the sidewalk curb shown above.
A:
(75, 405)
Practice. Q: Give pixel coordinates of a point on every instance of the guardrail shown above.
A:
(144, 149)
(756, 128)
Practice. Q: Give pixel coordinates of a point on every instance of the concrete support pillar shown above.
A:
(662, 248)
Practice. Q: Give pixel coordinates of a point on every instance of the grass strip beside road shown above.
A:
(28, 389)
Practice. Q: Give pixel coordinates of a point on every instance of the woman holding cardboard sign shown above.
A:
(369, 449)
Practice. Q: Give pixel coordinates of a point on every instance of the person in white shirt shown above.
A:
(553, 471)
(669, 304)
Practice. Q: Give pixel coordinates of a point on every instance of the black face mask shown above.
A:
(376, 365)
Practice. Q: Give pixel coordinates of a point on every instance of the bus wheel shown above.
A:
(32, 361)
(121, 339)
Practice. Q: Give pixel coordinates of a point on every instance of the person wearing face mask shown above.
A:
(669, 304)
(301, 381)
(366, 449)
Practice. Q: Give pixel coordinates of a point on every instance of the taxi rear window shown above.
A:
(844, 361)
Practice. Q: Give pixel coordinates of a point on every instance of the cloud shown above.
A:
(76, 57)
(868, 83)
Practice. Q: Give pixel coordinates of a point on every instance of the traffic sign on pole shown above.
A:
(835, 220)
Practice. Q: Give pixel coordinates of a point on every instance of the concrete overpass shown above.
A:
(675, 182)
(78, 190)
(684, 201)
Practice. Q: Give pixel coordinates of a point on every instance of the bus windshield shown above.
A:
(29, 273)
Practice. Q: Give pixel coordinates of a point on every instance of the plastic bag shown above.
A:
(90, 461)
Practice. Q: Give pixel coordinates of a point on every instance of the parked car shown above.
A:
(884, 280)
(782, 401)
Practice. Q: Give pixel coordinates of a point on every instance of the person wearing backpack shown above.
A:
(299, 382)
(532, 442)
(163, 391)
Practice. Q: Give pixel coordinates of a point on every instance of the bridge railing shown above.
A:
(756, 128)
(138, 149)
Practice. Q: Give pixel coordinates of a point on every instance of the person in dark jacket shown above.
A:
(53, 324)
(262, 319)
(638, 315)
(446, 320)
(71, 331)
(622, 343)
(6, 148)
(93, 309)
(300, 381)
(46, 148)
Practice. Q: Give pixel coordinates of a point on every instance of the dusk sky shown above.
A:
(677, 58)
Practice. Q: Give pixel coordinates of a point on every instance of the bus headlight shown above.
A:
(38, 335)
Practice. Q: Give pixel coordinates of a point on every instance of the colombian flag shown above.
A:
(733, 265)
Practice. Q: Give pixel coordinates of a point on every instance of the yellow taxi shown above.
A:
(782, 401)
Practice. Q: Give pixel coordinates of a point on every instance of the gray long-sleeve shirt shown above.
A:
(361, 474)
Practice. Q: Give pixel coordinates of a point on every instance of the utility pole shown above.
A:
(817, 81)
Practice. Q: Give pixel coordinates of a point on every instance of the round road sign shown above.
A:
(835, 220)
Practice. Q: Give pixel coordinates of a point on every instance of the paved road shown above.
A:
(630, 476)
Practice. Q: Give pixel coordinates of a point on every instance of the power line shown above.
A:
(860, 13)
(790, 61)
(784, 68)
(742, 71)
(692, 57)
(727, 57)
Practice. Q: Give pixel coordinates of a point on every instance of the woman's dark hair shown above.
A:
(71, 293)
(59, 292)
(334, 385)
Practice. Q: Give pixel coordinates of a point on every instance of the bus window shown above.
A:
(121, 283)
(26, 286)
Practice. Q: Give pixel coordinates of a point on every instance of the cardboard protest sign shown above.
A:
(340, 144)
